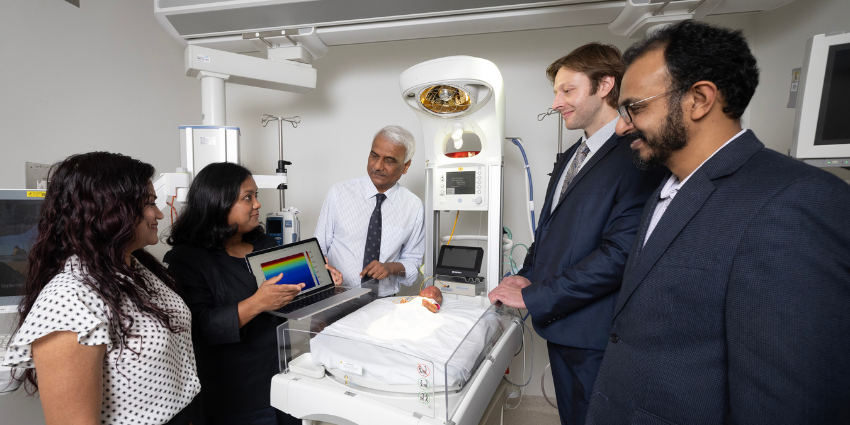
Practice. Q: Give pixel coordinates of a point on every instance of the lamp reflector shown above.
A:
(444, 99)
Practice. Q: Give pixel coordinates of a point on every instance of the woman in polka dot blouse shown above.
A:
(235, 342)
(104, 338)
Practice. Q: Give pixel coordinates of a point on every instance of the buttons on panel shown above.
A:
(442, 185)
(473, 197)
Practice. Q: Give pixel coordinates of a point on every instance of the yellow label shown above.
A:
(35, 194)
(460, 168)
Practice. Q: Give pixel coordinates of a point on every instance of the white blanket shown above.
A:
(392, 337)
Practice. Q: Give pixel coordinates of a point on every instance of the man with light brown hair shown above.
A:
(573, 271)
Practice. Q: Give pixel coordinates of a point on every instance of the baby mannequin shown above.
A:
(432, 297)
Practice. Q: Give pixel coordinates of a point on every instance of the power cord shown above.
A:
(531, 371)
(542, 388)
(453, 229)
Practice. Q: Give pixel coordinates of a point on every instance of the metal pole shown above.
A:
(560, 134)
(280, 157)
(280, 139)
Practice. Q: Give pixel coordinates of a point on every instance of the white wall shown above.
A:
(107, 76)
(101, 77)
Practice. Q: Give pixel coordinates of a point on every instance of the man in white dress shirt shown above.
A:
(372, 227)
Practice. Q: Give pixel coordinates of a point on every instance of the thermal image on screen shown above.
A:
(295, 268)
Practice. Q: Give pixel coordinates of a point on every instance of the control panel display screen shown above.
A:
(274, 226)
(460, 258)
(460, 183)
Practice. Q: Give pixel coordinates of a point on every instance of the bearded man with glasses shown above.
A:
(734, 307)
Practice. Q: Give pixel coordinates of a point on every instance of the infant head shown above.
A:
(433, 293)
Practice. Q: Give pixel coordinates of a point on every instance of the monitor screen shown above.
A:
(460, 183)
(460, 258)
(274, 225)
(19, 214)
(832, 128)
(299, 262)
(821, 135)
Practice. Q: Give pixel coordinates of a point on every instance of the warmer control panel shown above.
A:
(461, 188)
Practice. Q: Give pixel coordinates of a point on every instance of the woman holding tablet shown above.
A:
(235, 345)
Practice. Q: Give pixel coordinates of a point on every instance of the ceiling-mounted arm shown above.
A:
(660, 10)
(297, 45)
(250, 71)
(272, 39)
(640, 17)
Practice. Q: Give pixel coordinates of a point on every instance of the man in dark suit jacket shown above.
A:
(735, 305)
(593, 204)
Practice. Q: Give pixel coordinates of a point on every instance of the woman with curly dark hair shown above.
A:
(103, 335)
(235, 343)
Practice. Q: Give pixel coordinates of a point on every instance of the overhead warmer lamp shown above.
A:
(460, 102)
(453, 100)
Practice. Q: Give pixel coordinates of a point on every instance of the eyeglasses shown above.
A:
(624, 110)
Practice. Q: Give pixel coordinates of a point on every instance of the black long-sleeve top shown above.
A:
(235, 366)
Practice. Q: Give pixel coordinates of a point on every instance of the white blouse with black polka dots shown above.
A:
(149, 380)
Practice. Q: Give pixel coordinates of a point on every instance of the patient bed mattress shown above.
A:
(384, 338)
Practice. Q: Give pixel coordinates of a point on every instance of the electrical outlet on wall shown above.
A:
(35, 175)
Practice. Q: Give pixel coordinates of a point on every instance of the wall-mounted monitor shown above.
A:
(822, 126)
(19, 214)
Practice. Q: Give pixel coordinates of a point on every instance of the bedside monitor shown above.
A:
(19, 214)
(821, 133)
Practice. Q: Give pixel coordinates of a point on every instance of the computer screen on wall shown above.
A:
(821, 132)
(832, 128)
(19, 213)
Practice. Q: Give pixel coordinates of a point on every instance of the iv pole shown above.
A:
(551, 111)
(281, 164)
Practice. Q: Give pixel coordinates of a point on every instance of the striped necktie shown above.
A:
(583, 150)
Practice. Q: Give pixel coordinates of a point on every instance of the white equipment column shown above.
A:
(460, 102)
(213, 99)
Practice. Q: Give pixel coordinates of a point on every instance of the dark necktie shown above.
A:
(373, 236)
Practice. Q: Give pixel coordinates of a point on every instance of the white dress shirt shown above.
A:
(671, 187)
(594, 142)
(344, 222)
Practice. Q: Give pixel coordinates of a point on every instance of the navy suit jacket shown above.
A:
(737, 309)
(577, 259)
